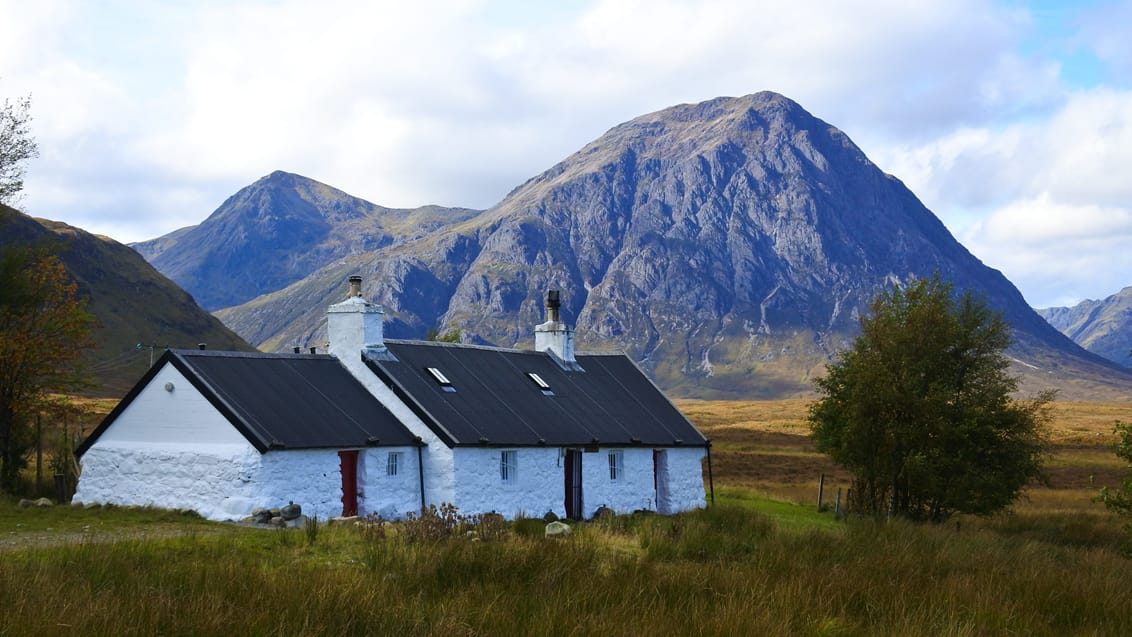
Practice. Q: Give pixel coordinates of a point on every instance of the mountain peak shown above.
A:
(729, 246)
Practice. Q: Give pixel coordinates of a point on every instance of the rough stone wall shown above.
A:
(633, 490)
(686, 479)
(537, 488)
(540, 485)
(171, 449)
(216, 481)
(311, 478)
(391, 497)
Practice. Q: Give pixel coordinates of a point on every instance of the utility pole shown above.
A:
(150, 348)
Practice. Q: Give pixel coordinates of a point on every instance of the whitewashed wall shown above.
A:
(182, 415)
(174, 450)
(538, 486)
(440, 483)
(310, 478)
(213, 480)
(686, 479)
(391, 497)
(634, 490)
(170, 449)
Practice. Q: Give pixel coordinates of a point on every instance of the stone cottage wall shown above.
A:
(536, 488)
(686, 479)
(391, 497)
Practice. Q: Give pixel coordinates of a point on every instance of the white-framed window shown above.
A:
(508, 466)
(616, 465)
(393, 463)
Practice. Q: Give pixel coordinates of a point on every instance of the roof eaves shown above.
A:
(705, 441)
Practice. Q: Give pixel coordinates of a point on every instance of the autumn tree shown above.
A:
(919, 409)
(44, 328)
(16, 146)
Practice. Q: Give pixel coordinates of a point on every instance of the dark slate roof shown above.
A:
(281, 401)
(495, 402)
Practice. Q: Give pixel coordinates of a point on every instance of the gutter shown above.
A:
(420, 469)
(710, 478)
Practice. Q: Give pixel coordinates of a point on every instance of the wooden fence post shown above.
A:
(821, 488)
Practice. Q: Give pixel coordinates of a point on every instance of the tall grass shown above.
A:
(724, 571)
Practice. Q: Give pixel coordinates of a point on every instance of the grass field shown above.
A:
(763, 561)
(765, 446)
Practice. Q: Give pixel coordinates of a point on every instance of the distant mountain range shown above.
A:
(1102, 327)
(132, 302)
(728, 246)
(276, 232)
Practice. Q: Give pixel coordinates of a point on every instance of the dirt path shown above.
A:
(44, 538)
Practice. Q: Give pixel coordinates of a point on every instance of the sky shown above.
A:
(1010, 120)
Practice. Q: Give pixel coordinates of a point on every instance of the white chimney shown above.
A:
(554, 335)
(354, 324)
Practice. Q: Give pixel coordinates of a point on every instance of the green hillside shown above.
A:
(132, 302)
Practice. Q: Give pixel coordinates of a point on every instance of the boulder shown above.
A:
(26, 504)
(603, 512)
(291, 512)
(550, 516)
(558, 529)
(261, 515)
(44, 503)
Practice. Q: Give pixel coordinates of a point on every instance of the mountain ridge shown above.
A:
(1103, 327)
(135, 307)
(278, 230)
(728, 246)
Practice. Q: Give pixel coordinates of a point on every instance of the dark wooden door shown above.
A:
(573, 480)
(660, 479)
(348, 460)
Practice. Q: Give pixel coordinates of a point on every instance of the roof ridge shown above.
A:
(216, 353)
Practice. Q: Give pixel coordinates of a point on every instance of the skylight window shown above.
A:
(441, 379)
(542, 384)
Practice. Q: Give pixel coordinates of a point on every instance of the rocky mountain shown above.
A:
(132, 302)
(728, 246)
(277, 231)
(1102, 327)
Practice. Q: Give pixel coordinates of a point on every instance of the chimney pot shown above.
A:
(553, 335)
(313, 349)
(355, 285)
(202, 345)
(552, 305)
(296, 349)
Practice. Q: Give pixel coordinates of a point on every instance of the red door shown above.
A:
(348, 461)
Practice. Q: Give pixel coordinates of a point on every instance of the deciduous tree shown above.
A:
(919, 409)
(1119, 500)
(16, 146)
(44, 329)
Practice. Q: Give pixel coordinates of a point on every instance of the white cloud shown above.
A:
(149, 114)
(1047, 201)
(1058, 253)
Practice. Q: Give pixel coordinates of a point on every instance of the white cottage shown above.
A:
(386, 426)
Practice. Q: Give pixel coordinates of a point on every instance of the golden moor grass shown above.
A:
(751, 565)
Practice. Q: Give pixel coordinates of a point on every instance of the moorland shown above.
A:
(762, 560)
